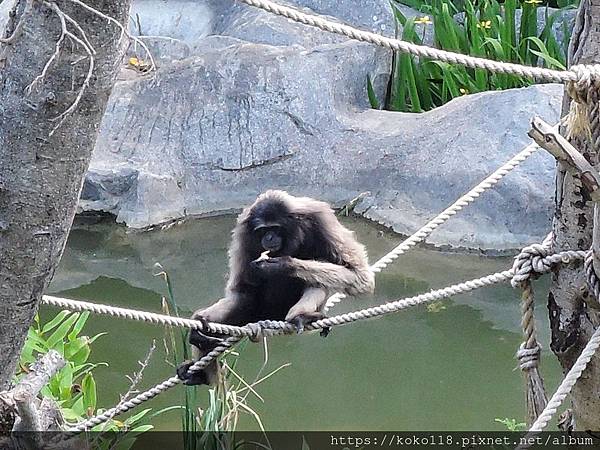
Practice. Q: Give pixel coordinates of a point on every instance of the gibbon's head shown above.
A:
(273, 224)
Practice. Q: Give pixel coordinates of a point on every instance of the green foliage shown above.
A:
(73, 388)
(487, 29)
(511, 424)
(177, 351)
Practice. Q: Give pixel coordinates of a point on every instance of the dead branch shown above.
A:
(121, 27)
(19, 26)
(39, 374)
(23, 399)
(135, 378)
(80, 30)
(61, 118)
(40, 78)
(82, 41)
(549, 139)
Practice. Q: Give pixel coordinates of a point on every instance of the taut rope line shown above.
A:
(575, 73)
(422, 233)
(270, 328)
(280, 327)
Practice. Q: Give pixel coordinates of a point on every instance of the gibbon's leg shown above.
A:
(334, 277)
(308, 309)
(234, 310)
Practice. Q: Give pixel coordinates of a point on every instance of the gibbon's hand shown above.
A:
(277, 266)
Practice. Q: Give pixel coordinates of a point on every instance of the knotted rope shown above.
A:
(580, 364)
(530, 262)
(590, 274)
(583, 122)
(271, 327)
(584, 116)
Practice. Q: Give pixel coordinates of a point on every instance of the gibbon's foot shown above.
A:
(191, 379)
(203, 341)
(325, 332)
(270, 267)
(200, 339)
(301, 320)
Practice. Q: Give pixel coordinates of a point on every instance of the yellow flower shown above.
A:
(423, 20)
(463, 91)
(487, 24)
(534, 2)
(139, 64)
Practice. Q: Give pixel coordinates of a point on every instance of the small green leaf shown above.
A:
(56, 321)
(373, 100)
(79, 325)
(133, 419)
(70, 415)
(88, 388)
(81, 356)
(61, 332)
(65, 378)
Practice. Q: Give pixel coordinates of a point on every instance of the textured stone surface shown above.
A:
(244, 101)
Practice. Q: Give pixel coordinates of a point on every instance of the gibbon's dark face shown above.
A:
(273, 227)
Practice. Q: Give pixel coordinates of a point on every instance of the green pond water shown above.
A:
(446, 367)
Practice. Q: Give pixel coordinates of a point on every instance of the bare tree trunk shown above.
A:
(571, 318)
(43, 161)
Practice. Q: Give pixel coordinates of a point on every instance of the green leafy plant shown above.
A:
(226, 401)
(73, 388)
(511, 424)
(483, 28)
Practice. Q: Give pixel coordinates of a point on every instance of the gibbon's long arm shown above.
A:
(234, 309)
(334, 277)
(310, 305)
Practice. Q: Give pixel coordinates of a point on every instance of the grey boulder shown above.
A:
(247, 101)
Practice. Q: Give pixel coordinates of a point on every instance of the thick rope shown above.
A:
(580, 364)
(270, 328)
(422, 233)
(584, 119)
(575, 73)
(280, 327)
(153, 392)
(468, 198)
(529, 262)
(568, 382)
(143, 316)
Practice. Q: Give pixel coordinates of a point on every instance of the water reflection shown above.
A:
(446, 367)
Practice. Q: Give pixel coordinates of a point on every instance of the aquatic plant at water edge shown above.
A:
(226, 401)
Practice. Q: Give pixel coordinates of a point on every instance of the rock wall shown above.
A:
(243, 101)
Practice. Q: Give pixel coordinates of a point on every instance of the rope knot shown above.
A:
(532, 260)
(587, 77)
(256, 331)
(528, 357)
(590, 274)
